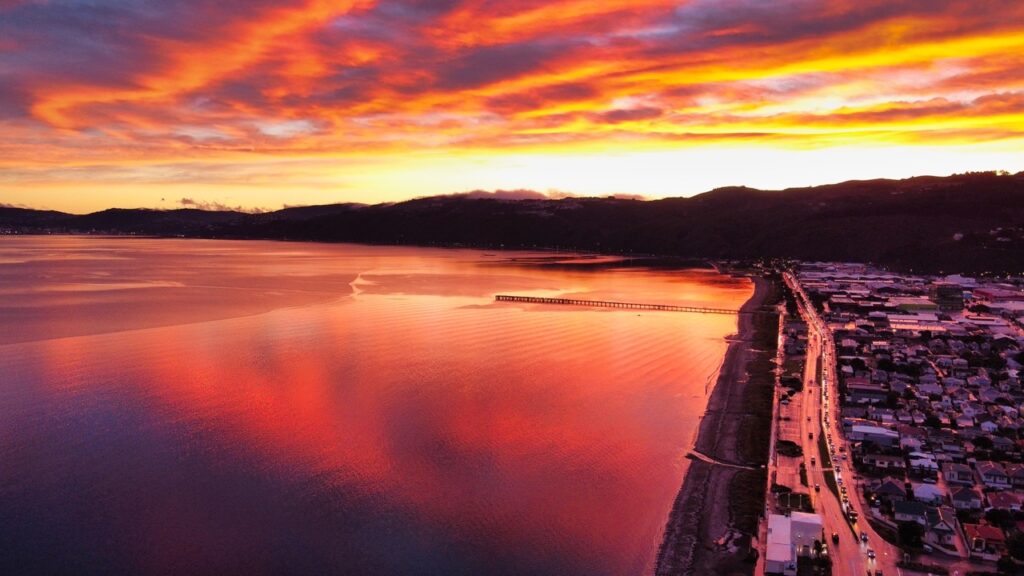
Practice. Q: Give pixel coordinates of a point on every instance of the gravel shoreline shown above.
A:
(699, 527)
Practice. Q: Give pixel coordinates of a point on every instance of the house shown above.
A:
(911, 511)
(884, 462)
(964, 421)
(965, 498)
(863, 391)
(958, 473)
(1002, 444)
(941, 528)
(1003, 501)
(929, 494)
(985, 539)
(1016, 475)
(912, 437)
(923, 467)
(878, 435)
(890, 491)
(989, 426)
(993, 475)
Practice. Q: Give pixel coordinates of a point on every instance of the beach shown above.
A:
(716, 508)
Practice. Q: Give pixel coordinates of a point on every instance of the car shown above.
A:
(835, 537)
(813, 460)
(810, 435)
(928, 549)
(817, 487)
(871, 554)
(863, 536)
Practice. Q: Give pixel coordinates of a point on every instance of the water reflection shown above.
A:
(409, 427)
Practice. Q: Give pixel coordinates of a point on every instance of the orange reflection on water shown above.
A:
(539, 437)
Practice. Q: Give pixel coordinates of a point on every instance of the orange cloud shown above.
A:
(250, 81)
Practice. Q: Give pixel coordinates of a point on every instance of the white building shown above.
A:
(780, 554)
(804, 530)
(789, 537)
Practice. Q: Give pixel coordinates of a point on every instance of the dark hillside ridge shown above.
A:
(964, 223)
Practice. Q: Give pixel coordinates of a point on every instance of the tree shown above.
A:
(910, 534)
(892, 399)
(983, 442)
(1015, 545)
(1001, 518)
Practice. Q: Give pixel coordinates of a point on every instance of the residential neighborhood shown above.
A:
(928, 406)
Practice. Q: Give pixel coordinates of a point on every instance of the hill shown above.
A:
(969, 223)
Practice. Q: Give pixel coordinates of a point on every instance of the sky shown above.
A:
(259, 104)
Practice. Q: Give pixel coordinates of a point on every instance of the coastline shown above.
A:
(701, 531)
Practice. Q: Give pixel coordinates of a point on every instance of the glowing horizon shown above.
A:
(261, 104)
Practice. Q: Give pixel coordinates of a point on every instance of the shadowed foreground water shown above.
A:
(185, 406)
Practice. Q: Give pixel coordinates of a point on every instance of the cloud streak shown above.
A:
(216, 206)
(144, 82)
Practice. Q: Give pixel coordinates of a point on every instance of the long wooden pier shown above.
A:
(608, 304)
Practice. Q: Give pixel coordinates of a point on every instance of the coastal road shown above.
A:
(847, 556)
(821, 414)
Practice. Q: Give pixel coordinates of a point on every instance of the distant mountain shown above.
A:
(970, 223)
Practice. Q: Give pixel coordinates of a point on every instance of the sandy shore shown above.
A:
(699, 525)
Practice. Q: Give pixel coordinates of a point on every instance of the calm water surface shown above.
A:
(213, 407)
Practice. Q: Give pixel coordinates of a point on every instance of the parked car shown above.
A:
(817, 487)
(863, 536)
(871, 554)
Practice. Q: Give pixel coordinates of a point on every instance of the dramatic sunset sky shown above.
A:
(264, 103)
